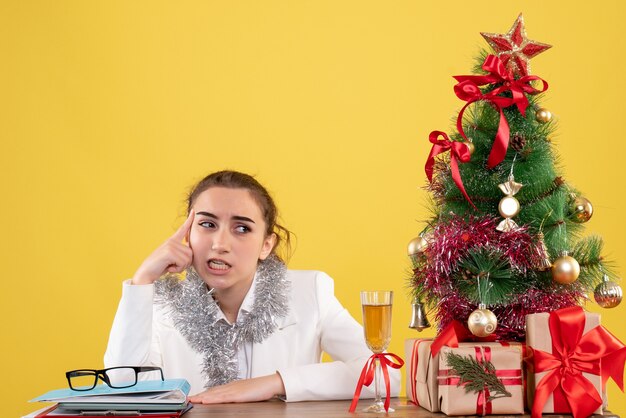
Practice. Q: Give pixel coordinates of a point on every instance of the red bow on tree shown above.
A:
(458, 151)
(597, 352)
(468, 89)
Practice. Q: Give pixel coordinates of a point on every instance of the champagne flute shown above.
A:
(377, 328)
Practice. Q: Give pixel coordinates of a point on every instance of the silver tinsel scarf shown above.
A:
(194, 312)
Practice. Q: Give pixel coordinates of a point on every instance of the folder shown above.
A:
(147, 395)
(58, 412)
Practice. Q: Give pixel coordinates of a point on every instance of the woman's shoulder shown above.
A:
(310, 276)
(310, 282)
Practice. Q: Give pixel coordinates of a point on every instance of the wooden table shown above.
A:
(318, 409)
(325, 409)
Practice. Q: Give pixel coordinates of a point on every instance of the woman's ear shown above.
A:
(268, 246)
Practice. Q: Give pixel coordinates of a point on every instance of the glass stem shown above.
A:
(377, 372)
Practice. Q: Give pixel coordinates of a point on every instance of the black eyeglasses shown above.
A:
(115, 377)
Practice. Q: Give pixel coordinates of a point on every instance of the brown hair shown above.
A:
(237, 180)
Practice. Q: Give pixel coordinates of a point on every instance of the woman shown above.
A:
(240, 327)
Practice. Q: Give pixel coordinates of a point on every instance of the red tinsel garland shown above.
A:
(451, 240)
(511, 318)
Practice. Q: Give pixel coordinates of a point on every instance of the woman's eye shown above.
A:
(207, 224)
(242, 229)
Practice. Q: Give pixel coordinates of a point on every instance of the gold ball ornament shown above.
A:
(417, 246)
(482, 322)
(470, 146)
(608, 294)
(565, 270)
(508, 207)
(543, 115)
(581, 210)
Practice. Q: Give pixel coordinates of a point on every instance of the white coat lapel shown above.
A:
(276, 350)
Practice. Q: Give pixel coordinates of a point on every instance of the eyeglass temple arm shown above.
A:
(151, 368)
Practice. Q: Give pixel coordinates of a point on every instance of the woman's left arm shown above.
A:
(340, 335)
(247, 390)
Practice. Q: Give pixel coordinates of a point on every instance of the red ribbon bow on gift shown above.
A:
(450, 336)
(367, 376)
(453, 334)
(468, 89)
(458, 151)
(597, 352)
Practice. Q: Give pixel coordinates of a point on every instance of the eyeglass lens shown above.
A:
(121, 377)
(118, 377)
(82, 379)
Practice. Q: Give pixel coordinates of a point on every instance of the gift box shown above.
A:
(423, 369)
(538, 337)
(453, 398)
(569, 343)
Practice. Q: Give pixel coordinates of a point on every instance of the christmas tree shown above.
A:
(505, 239)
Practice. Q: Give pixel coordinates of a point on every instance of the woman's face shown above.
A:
(228, 237)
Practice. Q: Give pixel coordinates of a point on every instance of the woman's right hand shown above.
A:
(173, 256)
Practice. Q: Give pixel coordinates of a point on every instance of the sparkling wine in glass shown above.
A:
(377, 329)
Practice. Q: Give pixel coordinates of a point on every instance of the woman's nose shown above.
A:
(220, 241)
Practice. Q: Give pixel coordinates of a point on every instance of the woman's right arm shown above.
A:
(173, 256)
(131, 341)
(131, 338)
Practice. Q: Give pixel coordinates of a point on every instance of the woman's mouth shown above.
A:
(218, 265)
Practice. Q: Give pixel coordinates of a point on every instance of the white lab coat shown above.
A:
(144, 334)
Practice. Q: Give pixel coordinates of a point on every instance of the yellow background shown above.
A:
(111, 110)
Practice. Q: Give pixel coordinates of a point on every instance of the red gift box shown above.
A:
(422, 368)
(573, 357)
(455, 400)
(422, 359)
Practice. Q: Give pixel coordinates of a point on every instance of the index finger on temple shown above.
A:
(183, 232)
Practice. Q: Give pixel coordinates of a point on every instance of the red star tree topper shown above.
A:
(514, 48)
